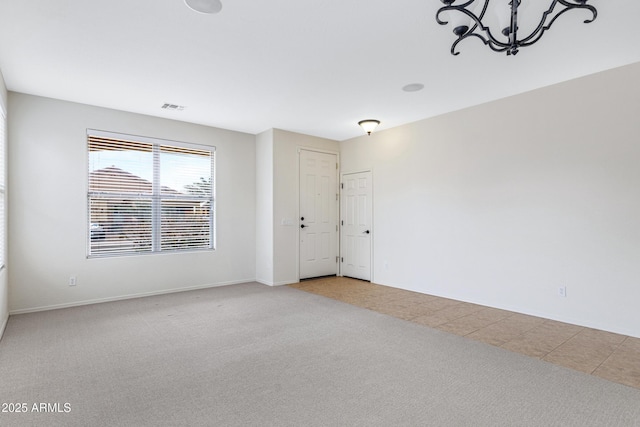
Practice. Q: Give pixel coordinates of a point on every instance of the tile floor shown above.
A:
(604, 354)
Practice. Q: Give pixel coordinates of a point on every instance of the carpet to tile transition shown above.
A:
(252, 355)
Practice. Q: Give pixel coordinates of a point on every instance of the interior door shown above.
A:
(357, 207)
(318, 214)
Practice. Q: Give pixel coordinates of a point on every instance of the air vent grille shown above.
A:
(173, 107)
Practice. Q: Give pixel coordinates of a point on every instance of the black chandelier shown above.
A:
(467, 22)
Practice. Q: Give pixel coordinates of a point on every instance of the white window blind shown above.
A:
(147, 195)
(3, 168)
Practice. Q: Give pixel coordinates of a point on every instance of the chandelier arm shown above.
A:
(496, 47)
(581, 5)
(482, 13)
(476, 28)
(489, 40)
(449, 6)
(540, 30)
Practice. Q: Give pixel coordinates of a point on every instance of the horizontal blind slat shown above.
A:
(124, 201)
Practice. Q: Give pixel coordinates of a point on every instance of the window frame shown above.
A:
(157, 195)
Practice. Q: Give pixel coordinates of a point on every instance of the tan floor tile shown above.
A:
(387, 295)
(455, 328)
(465, 325)
(586, 350)
(489, 335)
(610, 356)
(623, 366)
(507, 329)
(382, 295)
(298, 285)
(566, 329)
(446, 315)
(461, 309)
(432, 320)
(493, 314)
(501, 332)
(630, 344)
(528, 348)
(417, 310)
(439, 304)
(372, 301)
(351, 299)
(556, 331)
(590, 337)
(525, 321)
(537, 342)
(401, 308)
(417, 298)
(400, 314)
(627, 377)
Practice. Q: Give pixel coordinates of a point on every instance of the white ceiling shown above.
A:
(315, 67)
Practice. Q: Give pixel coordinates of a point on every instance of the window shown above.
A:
(148, 195)
(3, 205)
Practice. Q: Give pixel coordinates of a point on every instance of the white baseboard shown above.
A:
(125, 297)
(284, 283)
(3, 326)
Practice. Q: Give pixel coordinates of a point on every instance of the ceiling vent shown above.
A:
(173, 107)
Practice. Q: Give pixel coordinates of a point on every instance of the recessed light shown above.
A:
(413, 87)
(204, 6)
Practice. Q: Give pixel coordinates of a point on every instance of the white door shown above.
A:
(357, 206)
(318, 214)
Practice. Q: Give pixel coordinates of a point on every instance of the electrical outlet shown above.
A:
(562, 291)
(73, 280)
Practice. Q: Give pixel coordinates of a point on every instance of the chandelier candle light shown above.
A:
(468, 18)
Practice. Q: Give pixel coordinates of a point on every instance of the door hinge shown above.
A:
(342, 259)
(337, 195)
(342, 222)
(336, 166)
(337, 259)
(342, 185)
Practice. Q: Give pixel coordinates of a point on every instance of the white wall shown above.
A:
(264, 208)
(503, 203)
(48, 209)
(286, 199)
(277, 200)
(4, 287)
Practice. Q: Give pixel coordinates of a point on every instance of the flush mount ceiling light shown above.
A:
(369, 125)
(469, 18)
(204, 6)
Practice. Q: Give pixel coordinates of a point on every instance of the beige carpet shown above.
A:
(251, 355)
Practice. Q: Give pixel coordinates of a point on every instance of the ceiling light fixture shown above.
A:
(467, 22)
(204, 6)
(369, 125)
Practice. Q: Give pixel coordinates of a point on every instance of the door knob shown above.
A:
(366, 232)
(302, 219)
(302, 226)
